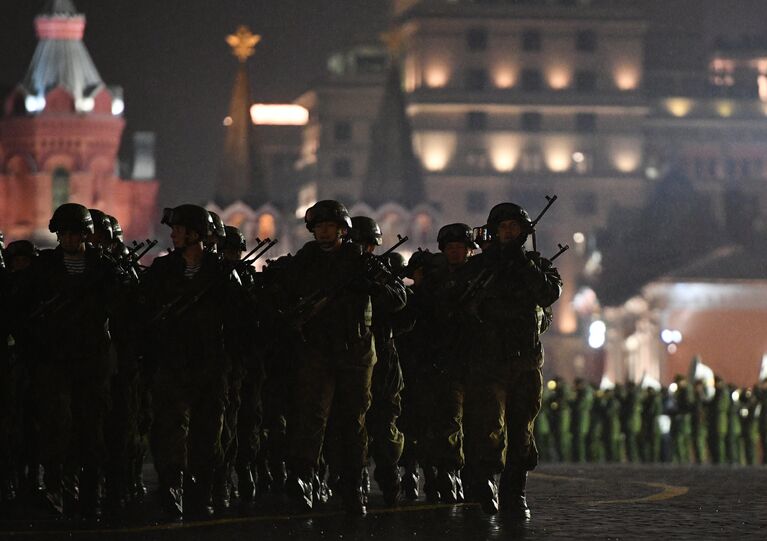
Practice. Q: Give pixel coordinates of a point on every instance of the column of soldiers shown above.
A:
(683, 423)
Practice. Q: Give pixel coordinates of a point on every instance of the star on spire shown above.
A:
(243, 43)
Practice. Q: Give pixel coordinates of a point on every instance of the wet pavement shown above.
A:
(568, 502)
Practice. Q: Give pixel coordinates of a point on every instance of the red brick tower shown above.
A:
(59, 136)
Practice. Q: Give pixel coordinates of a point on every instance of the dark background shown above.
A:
(177, 71)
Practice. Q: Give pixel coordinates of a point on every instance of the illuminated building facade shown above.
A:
(513, 100)
(59, 135)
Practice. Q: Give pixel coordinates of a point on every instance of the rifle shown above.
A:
(184, 302)
(308, 307)
(562, 250)
(486, 275)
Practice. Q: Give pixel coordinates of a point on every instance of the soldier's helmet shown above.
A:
(218, 225)
(234, 239)
(365, 231)
(117, 231)
(396, 262)
(456, 233)
(71, 217)
(507, 211)
(418, 260)
(327, 210)
(193, 217)
(102, 223)
(20, 248)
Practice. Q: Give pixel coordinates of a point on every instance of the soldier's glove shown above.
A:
(377, 273)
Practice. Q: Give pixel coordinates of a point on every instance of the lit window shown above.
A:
(266, 226)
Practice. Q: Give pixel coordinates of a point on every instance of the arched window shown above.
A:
(60, 187)
(267, 226)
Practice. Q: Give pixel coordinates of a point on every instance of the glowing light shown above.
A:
(558, 153)
(435, 149)
(626, 153)
(578, 157)
(735, 396)
(85, 105)
(627, 78)
(632, 343)
(597, 334)
(673, 388)
(679, 107)
(505, 78)
(672, 348)
(227, 121)
(504, 152)
(724, 109)
(579, 238)
(551, 385)
(762, 82)
(279, 114)
(671, 336)
(34, 104)
(118, 106)
(436, 76)
(559, 78)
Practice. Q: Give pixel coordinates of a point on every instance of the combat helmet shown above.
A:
(193, 217)
(327, 210)
(235, 239)
(365, 231)
(457, 232)
(71, 217)
(508, 211)
(102, 223)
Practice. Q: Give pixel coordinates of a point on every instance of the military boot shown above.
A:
(512, 494)
(447, 485)
(388, 478)
(171, 493)
(365, 483)
(430, 484)
(300, 488)
(53, 494)
(279, 477)
(90, 497)
(265, 479)
(485, 491)
(198, 495)
(221, 489)
(246, 485)
(409, 483)
(352, 493)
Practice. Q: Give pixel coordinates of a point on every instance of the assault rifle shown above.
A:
(308, 307)
(488, 274)
(183, 302)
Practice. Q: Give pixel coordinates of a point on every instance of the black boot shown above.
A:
(447, 484)
(409, 483)
(221, 489)
(300, 488)
(513, 500)
(352, 493)
(90, 497)
(388, 478)
(485, 491)
(430, 484)
(53, 494)
(265, 479)
(171, 494)
(198, 495)
(365, 483)
(246, 486)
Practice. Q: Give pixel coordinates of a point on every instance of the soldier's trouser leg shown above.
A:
(446, 426)
(484, 424)
(387, 440)
(522, 407)
(249, 424)
(168, 437)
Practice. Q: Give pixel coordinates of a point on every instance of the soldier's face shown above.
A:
(456, 253)
(71, 242)
(509, 230)
(183, 237)
(20, 263)
(328, 235)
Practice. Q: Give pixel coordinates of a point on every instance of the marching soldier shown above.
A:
(75, 287)
(387, 442)
(189, 294)
(504, 379)
(331, 282)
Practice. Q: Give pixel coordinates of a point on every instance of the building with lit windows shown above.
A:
(514, 100)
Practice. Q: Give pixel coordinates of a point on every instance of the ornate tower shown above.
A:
(59, 136)
(242, 176)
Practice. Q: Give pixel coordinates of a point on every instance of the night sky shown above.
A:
(176, 70)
